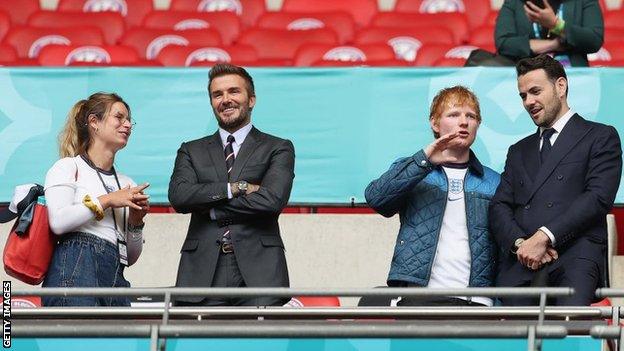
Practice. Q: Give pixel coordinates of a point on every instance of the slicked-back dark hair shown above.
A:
(554, 70)
(224, 69)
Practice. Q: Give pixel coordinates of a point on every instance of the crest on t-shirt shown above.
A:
(456, 186)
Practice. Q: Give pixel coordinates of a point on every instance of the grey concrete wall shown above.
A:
(321, 250)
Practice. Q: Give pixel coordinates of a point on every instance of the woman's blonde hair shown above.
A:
(75, 137)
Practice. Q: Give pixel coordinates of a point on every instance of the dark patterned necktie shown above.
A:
(546, 146)
(229, 154)
(229, 163)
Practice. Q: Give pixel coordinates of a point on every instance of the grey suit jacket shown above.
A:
(199, 183)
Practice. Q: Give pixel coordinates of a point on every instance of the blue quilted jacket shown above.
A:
(417, 190)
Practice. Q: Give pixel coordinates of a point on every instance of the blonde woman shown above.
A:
(96, 212)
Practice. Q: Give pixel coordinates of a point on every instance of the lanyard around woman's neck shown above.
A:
(108, 191)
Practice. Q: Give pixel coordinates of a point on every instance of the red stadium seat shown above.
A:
(29, 41)
(132, 10)
(311, 53)
(482, 36)
(248, 10)
(192, 55)
(614, 34)
(149, 42)
(7, 54)
(428, 55)
(226, 23)
(340, 22)
(19, 10)
(5, 24)
(450, 62)
(476, 10)
(613, 51)
(361, 10)
(111, 23)
(138, 63)
(282, 44)
(453, 21)
(62, 55)
(405, 41)
(372, 63)
(614, 19)
(609, 63)
(314, 301)
(491, 18)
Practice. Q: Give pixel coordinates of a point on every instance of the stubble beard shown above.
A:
(550, 113)
(234, 124)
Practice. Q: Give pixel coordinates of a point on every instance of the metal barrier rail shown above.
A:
(316, 312)
(288, 292)
(534, 333)
(300, 329)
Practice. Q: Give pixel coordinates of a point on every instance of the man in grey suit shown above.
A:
(235, 184)
(548, 213)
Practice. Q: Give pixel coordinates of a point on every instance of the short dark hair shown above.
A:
(553, 68)
(224, 69)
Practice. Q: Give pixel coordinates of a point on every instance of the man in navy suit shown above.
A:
(548, 213)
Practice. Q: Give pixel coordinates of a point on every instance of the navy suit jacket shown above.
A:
(570, 194)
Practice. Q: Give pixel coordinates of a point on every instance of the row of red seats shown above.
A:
(275, 46)
(176, 55)
(344, 23)
(305, 55)
(362, 11)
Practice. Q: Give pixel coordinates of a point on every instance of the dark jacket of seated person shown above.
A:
(567, 29)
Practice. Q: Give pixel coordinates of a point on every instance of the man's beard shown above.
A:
(551, 113)
(234, 124)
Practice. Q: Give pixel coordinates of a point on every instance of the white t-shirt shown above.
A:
(451, 264)
(64, 193)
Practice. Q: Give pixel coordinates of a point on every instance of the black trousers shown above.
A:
(436, 301)
(228, 275)
(580, 273)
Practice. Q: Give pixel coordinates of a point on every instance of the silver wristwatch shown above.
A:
(242, 185)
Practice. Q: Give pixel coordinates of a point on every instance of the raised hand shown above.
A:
(545, 17)
(435, 151)
(125, 197)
